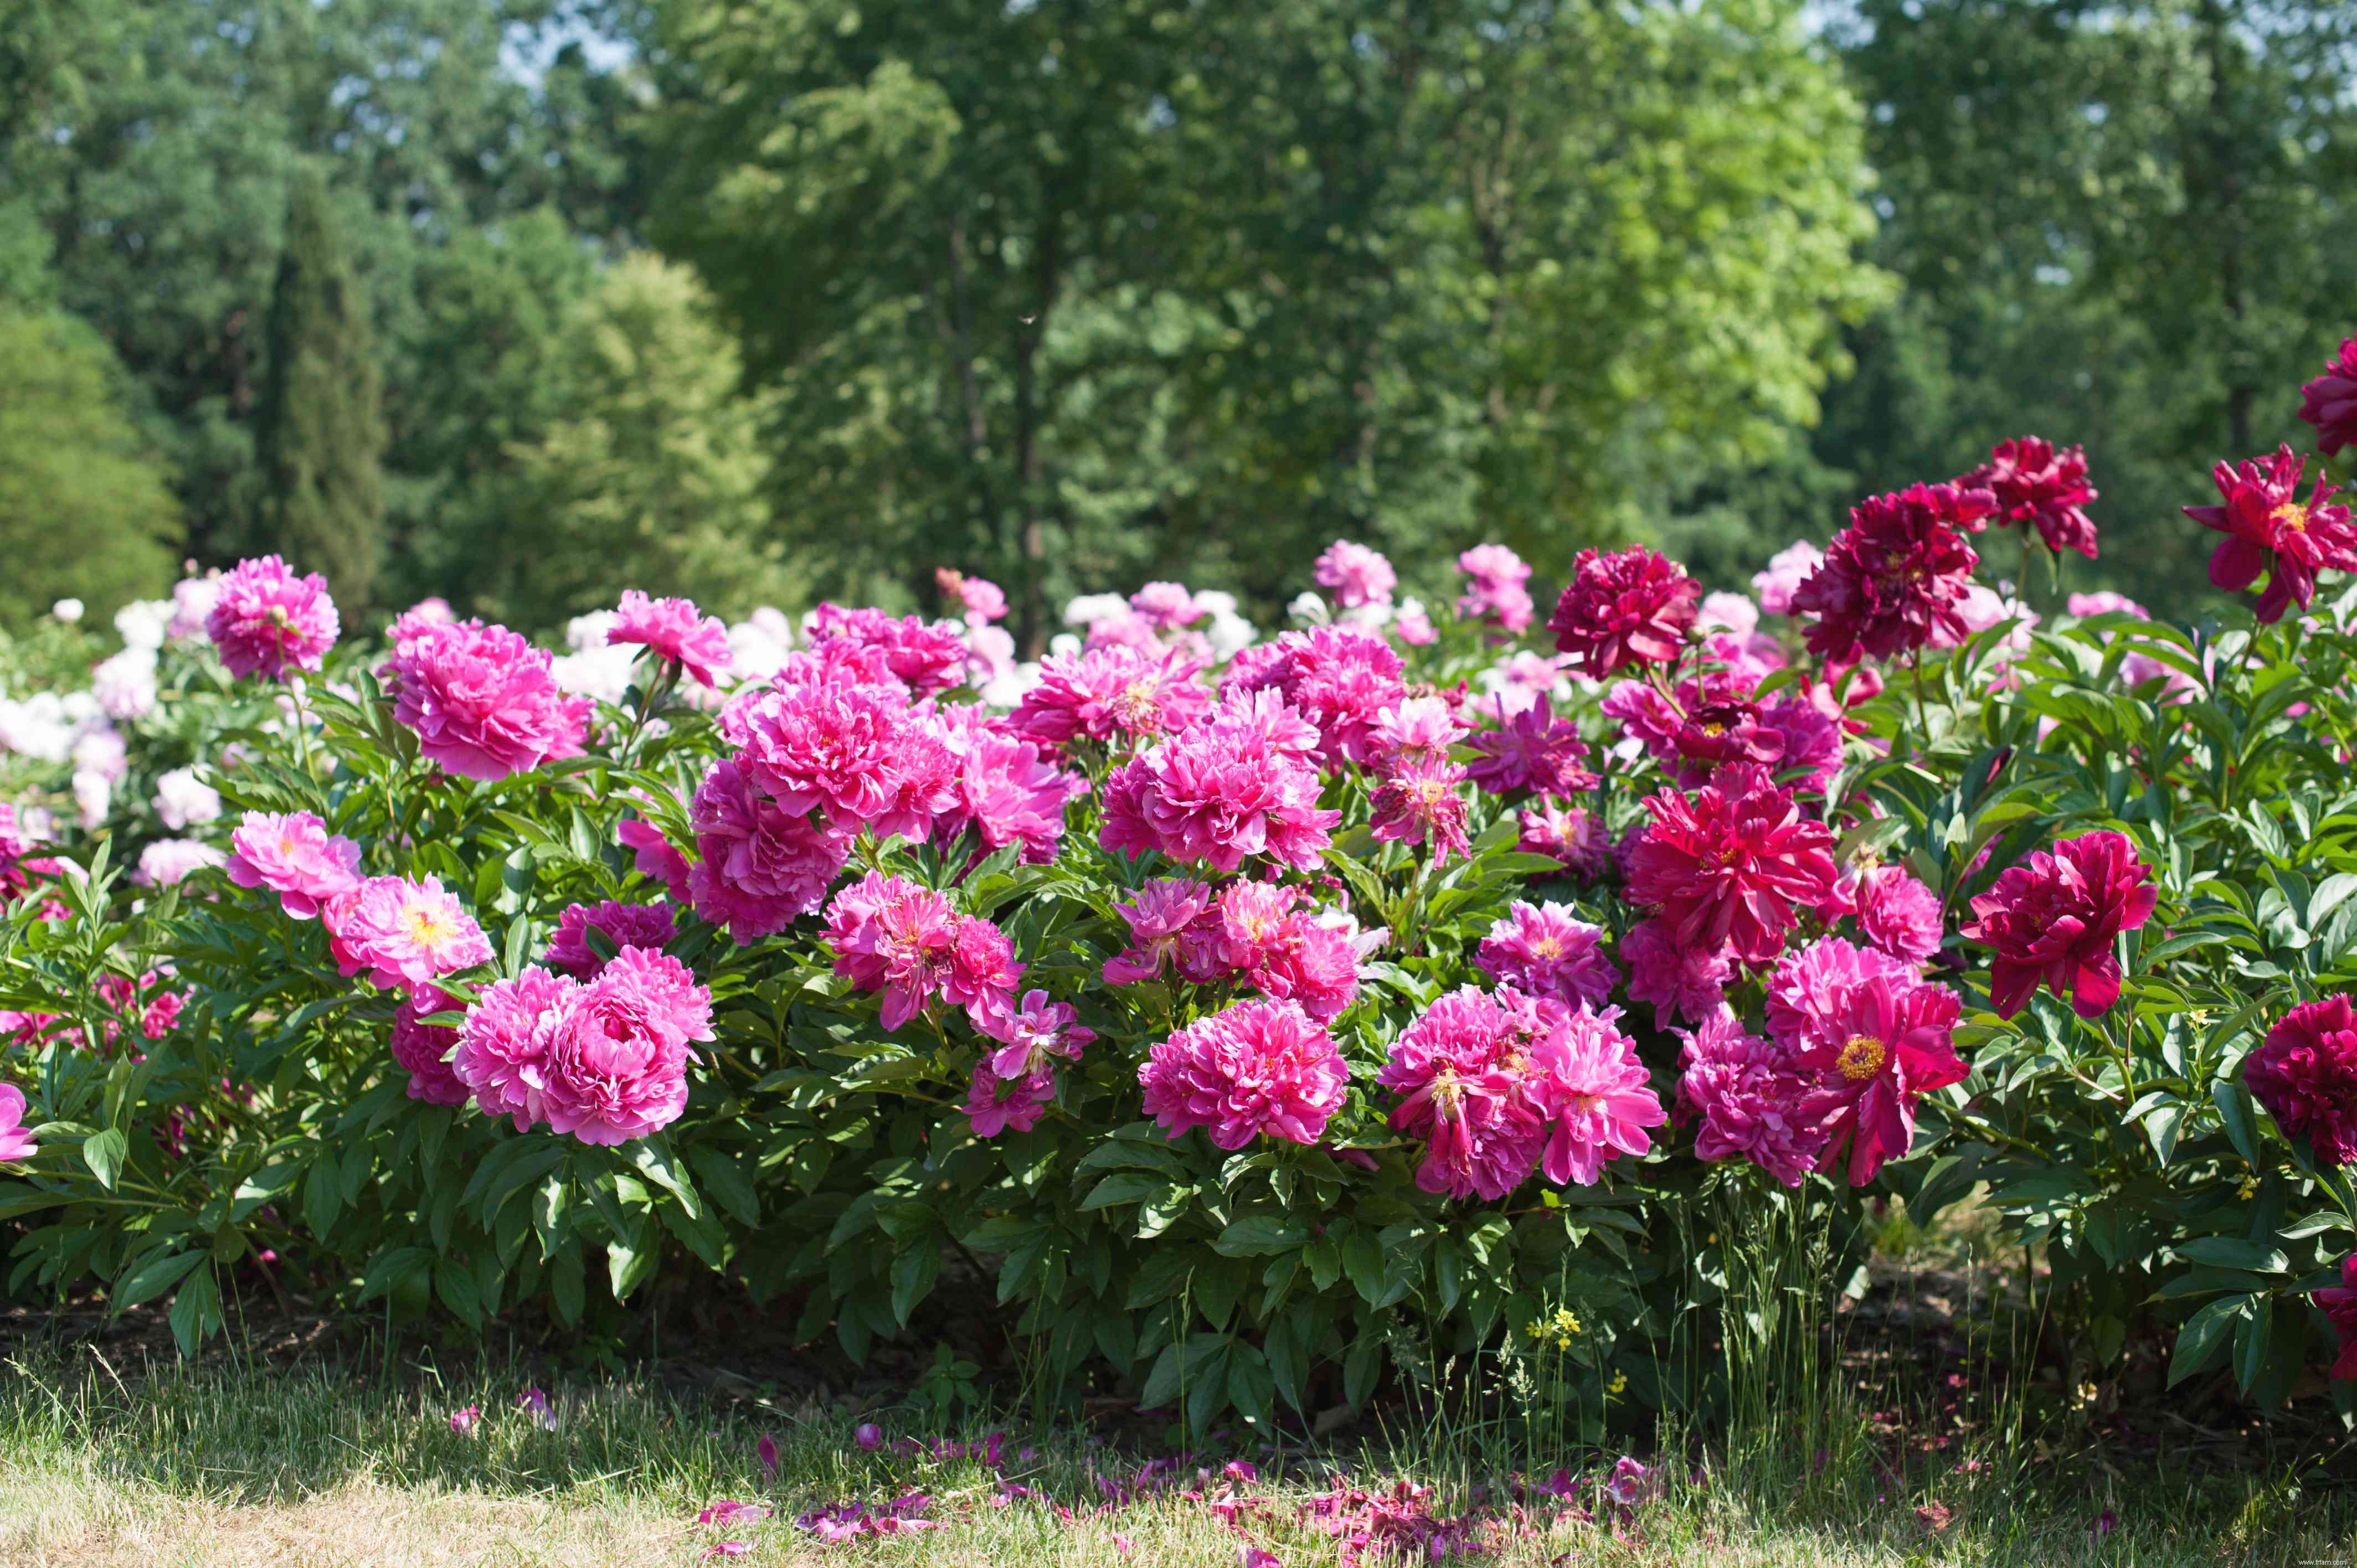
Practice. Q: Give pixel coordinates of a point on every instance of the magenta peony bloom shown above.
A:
(1727, 868)
(483, 701)
(1630, 607)
(2338, 1304)
(1534, 751)
(1418, 728)
(763, 866)
(2329, 402)
(1416, 802)
(1567, 833)
(1228, 788)
(1111, 694)
(648, 926)
(1496, 587)
(1167, 929)
(889, 935)
(1894, 578)
(978, 600)
(295, 857)
(653, 856)
(2270, 528)
(1688, 983)
(1751, 1100)
(2037, 486)
(853, 750)
(1032, 1035)
(1545, 950)
(1252, 1068)
(616, 1065)
(402, 933)
(2304, 1073)
(993, 1104)
(1357, 574)
(265, 620)
(1594, 1094)
(672, 631)
(421, 1047)
(1895, 913)
(1342, 679)
(1462, 1072)
(1257, 931)
(1003, 790)
(924, 657)
(2058, 917)
(503, 1045)
(1876, 1036)
(15, 1142)
(1812, 751)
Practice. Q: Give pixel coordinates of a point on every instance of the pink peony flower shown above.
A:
(1003, 790)
(924, 657)
(1222, 790)
(166, 863)
(648, 926)
(653, 856)
(889, 935)
(1282, 950)
(2103, 602)
(763, 866)
(1496, 589)
(1342, 679)
(1166, 930)
(402, 933)
(1688, 983)
(1894, 912)
(1357, 574)
(1628, 607)
(1111, 694)
(1534, 751)
(1414, 627)
(852, 750)
(295, 856)
(1730, 867)
(1545, 950)
(2304, 1073)
(1419, 802)
(1462, 1074)
(616, 1064)
(2339, 1304)
(2270, 528)
(503, 1046)
(1253, 1069)
(421, 1047)
(672, 630)
(978, 600)
(1166, 607)
(1035, 1033)
(1750, 1098)
(1594, 1094)
(1567, 833)
(2037, 485)
(1786, 571)
(2058, 919)
(993, 1104)
(1422, 728)
(16, 1141)
(1732, 613)
(1876, 1035)
(2329, 402)
(264, 620)
(1811, 753)
(483, 701)
(1893, 579)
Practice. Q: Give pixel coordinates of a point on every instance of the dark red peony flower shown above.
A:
(1621, 607)
(2329, 402)
(2057, 918)
(2339, 1303)
(1731, 868)
(2305, 1074)
(2267, 526)
(1895, 574)
(2035, 484)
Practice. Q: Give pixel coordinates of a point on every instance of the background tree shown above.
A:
(85, 510)
(321, 419)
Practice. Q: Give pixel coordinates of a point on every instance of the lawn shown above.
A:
(329, 1463)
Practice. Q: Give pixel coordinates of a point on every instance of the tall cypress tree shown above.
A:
(321, 426)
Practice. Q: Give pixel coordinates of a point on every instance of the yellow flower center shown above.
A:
(2291, 515)
(1861, 1058)
(425, 926)
(1547, 947)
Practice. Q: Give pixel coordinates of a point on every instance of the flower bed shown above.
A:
(1265, 1016)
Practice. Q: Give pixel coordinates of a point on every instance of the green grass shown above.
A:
(164, 1464)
